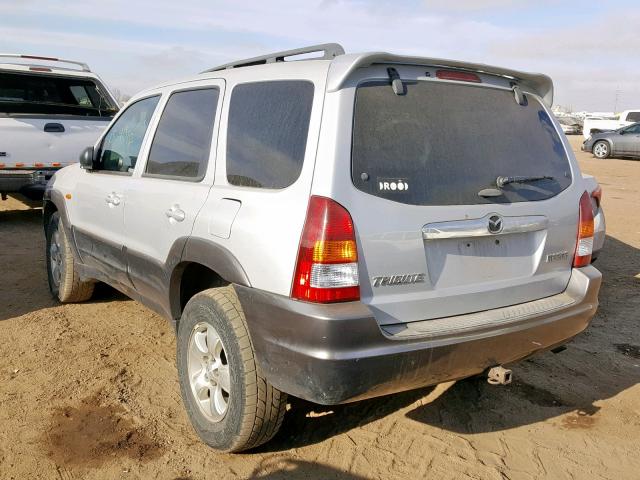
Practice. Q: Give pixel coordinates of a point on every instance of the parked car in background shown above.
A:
(623, 142)
(570, 125)
(48, 114)
(278, 214)
(597, 125)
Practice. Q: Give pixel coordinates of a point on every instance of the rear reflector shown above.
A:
(457, 75)
(584, 246)
(327, 265)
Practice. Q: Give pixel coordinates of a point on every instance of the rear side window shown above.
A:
(182, 141)
(24, 93)
(441, 143)
(267, 133)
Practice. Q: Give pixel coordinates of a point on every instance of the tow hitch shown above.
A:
(499, 376)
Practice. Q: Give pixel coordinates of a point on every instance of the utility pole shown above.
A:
(618, 93)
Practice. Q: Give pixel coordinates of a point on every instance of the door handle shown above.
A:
(175, 213)
(54, 127)
(113, 199)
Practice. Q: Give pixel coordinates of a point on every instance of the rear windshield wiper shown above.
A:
(502, 181)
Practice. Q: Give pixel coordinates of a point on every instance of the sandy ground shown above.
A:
(90, 390)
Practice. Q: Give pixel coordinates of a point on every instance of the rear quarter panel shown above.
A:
(266, 228)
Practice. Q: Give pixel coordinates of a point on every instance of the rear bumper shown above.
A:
(30, 182)
(332, 354)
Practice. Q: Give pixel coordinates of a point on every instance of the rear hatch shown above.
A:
(46, 120)
(437, 237)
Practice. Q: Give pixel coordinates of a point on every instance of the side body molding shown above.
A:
(156, 284)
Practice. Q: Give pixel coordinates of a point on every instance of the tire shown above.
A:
(601, 149)
(214, 352)
(64, 280)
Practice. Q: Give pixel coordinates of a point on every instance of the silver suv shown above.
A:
(334, 228)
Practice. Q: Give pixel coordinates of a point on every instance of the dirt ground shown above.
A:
(90, 391)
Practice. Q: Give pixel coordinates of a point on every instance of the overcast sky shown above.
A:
(590, 49)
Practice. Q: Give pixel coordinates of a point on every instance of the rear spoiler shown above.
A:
(344, 65)
(83, 66)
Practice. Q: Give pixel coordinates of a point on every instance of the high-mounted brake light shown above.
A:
(584, 246)
(40, 69)
(327, 265)
(457, 75)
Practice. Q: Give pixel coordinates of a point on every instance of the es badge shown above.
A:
(393, 184)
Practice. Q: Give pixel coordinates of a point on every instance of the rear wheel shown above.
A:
(229, 402)
(64, 281)
(601, 149)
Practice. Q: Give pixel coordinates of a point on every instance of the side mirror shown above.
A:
(87, 158)
(622, 132)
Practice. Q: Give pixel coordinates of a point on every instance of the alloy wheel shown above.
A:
(208, 371)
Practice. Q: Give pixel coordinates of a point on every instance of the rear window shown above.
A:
(267, 133)
(441, 143)
(49, 95)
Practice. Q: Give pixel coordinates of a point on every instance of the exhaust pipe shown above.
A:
(499, 376)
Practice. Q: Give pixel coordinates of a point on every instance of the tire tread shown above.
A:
(71, 289)
(264, 406)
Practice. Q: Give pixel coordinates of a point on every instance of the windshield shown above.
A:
(442, 143)
(42, 94)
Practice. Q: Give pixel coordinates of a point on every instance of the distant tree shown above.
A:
(122, 98)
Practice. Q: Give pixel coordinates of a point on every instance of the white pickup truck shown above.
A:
(48, 114)
(598, 124)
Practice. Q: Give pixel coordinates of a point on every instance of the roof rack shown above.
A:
(330, 51)
(83, 66)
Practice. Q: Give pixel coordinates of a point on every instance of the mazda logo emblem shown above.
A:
(495, 224)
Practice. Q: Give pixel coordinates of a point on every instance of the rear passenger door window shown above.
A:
(182, 140)
(267, 133)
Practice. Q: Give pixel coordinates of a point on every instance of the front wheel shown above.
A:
(64, 282)
(601, 149)
(230, 404)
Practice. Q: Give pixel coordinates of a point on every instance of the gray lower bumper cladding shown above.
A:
(338, 353)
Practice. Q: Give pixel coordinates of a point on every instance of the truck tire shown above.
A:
(231, 405)
(64, 281)
(601, 149)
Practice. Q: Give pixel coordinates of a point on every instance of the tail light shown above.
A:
(327, 265)
(584, 247)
